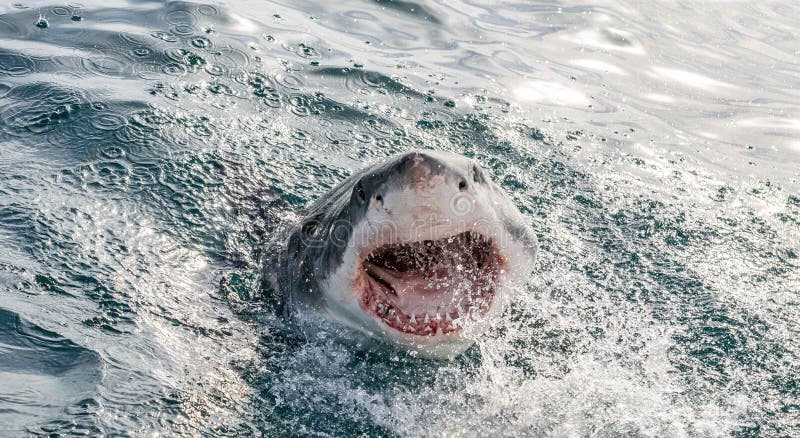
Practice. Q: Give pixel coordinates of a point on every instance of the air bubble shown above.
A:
(163, 36)
(215, 70)
(180, 18)
(300, 105)
(201, 42)
(289, 80)
(109, 121)
(142, 52)
(207, 10)
(181, 30)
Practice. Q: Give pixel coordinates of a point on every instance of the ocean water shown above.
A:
(148, 149)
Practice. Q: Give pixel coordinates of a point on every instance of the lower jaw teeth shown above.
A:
(442, 322)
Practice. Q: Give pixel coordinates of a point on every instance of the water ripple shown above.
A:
(148, 150)
(34, 363)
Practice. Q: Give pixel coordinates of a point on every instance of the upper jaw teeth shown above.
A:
(373, 251)
(424, 278)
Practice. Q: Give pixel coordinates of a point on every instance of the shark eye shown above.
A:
(360, 194)
(462, 185)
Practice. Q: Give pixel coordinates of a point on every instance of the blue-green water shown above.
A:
(148, 148)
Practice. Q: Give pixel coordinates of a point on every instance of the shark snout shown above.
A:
(428, 175)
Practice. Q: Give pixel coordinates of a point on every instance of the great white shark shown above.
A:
(419, 250)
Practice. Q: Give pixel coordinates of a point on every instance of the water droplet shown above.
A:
(207, 10)
(201, 42)
(181, 30)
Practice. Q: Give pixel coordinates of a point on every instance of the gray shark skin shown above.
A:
(418, 251)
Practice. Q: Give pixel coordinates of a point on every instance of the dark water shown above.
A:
(147, 149)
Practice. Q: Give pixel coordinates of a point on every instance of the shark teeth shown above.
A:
(430, 287)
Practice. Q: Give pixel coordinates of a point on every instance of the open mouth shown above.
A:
(431, 287)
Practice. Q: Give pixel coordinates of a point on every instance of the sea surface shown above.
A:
(148, 149)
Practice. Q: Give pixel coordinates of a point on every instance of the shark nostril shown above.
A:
(477, 176)
(462, 185)
(360, 194)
